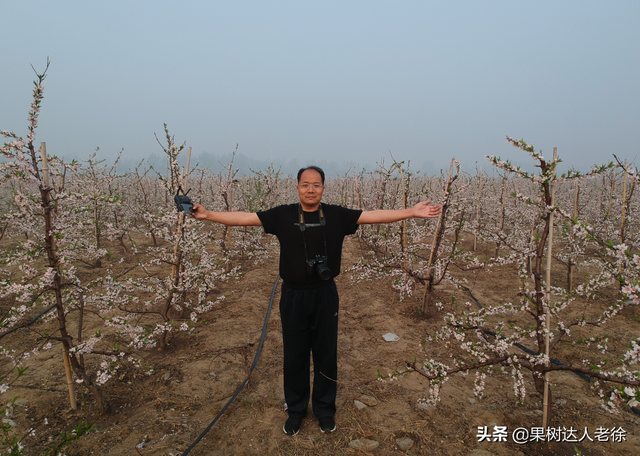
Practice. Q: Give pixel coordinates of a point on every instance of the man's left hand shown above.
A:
(423, 210)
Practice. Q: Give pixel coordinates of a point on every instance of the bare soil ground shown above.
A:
(162, 414)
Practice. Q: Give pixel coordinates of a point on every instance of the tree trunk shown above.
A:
(67, 343)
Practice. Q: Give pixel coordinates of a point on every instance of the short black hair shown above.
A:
(315, 168)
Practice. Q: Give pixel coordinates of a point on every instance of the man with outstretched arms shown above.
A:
(311, 236)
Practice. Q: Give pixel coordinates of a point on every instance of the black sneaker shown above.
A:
(292, 426)
(327, 424)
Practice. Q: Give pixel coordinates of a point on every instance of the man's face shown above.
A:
(310, 189)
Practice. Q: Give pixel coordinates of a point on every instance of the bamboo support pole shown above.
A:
(623, 213)
(404, 222)
(45, 164)
(475, 234)
(183, 181)
(501, 227)
(575, 214)
(67, 369)
(65, 354)
(355, 178)
(613, 186)
(166, 196)
(624, 203)
(186, 177)
(547, 297)
(227, 229)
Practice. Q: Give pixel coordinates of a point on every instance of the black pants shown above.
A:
(310, 324)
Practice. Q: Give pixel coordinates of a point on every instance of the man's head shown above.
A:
(310, 187)
(315, 168)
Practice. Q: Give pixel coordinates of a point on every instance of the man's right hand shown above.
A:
(199, 212)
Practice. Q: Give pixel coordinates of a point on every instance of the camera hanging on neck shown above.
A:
(317, 265)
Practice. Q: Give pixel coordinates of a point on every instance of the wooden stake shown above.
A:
(45, 164)
(504, 188)
(67, 369)
(613, 186)
(624, 202)
(186, 178)
(575, 214)
(547, 321)
(228, 196)
(404, 222)
(183, 182)
(475, 235)
(355, 179)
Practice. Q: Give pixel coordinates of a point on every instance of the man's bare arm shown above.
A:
(226, 218)
(420, 210)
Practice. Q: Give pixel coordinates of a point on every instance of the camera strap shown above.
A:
(303, 226)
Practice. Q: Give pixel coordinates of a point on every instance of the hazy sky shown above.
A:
(337, 81)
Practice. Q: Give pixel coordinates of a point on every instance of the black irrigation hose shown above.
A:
(33, 320)
(253, 366)
(522, 347)
(531, 352)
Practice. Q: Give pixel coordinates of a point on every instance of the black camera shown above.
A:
(318, 266)
(183, 203)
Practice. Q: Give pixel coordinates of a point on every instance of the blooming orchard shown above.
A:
(109, 268)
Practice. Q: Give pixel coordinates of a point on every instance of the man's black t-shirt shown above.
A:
(283, 222)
